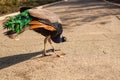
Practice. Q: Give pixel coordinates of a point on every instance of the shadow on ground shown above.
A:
(15, 59)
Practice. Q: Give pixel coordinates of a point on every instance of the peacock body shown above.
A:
(40, 20)
(33, 19)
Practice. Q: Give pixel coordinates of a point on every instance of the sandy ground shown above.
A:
(92, 50)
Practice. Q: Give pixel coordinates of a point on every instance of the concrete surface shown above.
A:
(92, 50)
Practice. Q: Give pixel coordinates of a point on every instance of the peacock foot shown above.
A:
(60, 55)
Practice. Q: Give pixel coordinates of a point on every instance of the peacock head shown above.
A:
(59, 39)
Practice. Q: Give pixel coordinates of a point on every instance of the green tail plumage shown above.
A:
(17, 23)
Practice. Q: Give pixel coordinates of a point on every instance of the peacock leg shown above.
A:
(49, 40)
(45, 42)
(53, 49)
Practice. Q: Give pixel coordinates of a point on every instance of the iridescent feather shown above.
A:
(18, 22)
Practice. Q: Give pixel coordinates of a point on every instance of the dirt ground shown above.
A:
(92, 28)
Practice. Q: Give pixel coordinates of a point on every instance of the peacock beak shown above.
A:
(64, 39)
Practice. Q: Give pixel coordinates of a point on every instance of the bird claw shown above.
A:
(60, 55)
(53, 50)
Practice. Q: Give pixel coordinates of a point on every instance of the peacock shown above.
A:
(41, 21)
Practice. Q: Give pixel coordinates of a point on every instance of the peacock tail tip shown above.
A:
(18, 23)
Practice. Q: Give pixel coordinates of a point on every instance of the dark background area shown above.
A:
(10, 6)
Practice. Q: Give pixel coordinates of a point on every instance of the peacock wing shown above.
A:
(37, 24)
(44, 14)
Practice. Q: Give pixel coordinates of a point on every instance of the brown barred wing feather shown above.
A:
(37, 24)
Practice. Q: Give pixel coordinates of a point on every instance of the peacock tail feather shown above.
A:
(19, 22)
